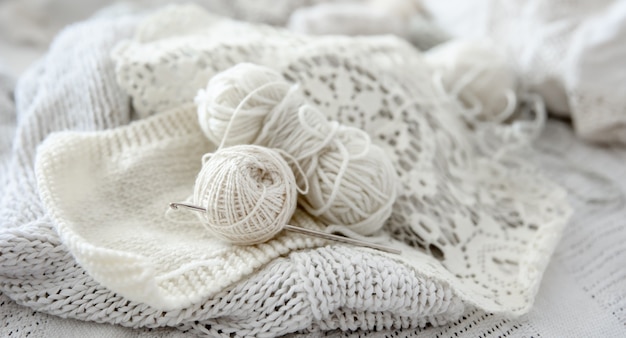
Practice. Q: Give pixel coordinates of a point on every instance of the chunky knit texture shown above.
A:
(464, 240)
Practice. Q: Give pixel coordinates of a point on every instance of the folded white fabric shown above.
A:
(472, 231)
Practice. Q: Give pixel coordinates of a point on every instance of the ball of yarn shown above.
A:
(249, 193)
(363, 192)
(351, 182)
(226, 91)
(478, 73)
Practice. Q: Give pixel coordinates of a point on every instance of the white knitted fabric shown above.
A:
(473, 232)
(579, 295)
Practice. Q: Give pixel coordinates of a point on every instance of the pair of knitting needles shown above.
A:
(308, 232)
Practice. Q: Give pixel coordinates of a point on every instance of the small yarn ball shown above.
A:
(249, 193)
(482, 67)
(351, 182)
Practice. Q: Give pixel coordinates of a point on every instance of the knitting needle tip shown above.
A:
(188, 206)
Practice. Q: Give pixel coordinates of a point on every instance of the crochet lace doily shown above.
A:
(469, 221)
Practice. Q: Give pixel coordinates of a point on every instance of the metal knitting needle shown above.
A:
(309, 232)
(342, 239)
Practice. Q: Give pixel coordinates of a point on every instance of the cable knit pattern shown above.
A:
(472, 231)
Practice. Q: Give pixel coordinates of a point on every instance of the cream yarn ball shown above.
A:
(249, 193)
(352, 183)
(478, 73)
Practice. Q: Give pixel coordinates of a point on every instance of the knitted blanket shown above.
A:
(472, 231)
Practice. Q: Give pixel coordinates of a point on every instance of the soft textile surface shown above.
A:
(582, 292)
(464, 237)
(571, 52)
(399, 17)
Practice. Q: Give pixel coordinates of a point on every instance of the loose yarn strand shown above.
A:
(509, 109)
(300, 171)
(474, 109)
(465, 80)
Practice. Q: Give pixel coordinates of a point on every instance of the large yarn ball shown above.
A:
(249, 193)
(239, 97)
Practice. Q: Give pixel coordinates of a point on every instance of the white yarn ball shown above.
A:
(215, 104)
(249, 193)
(351, 182)
(367, 186)
(492, 79)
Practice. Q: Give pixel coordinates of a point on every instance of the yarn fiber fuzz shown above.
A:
(352, 183)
